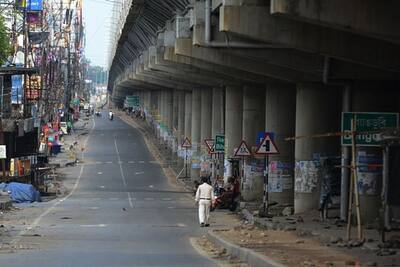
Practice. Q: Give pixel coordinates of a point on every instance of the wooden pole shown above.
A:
(350, 206)
(355, 179)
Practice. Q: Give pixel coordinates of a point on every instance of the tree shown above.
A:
(4, 41)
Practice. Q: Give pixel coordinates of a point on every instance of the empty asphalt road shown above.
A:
(121, 211)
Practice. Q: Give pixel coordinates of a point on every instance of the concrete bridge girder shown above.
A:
(206, 73)
(163, 83)
(314, 64)
(355, 18)
(164, 78)
(232, 74)
(184, 47)
(256, 23)
(158, 64)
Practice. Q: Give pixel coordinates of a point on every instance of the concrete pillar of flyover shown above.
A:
(159, 117)
(188, 115)
(280, 118)
(318, 110)
(371, 97)
(175, 115)
(233, 124)
(218, 119)
(181, 116)
(205, 128)
(169, 118)
(187, 129)
(196, 133)
(181, 125)
(163, 115)
(253, 122)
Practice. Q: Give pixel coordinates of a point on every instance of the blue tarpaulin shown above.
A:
(21, 193)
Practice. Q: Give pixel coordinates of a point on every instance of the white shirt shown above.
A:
(204, 192)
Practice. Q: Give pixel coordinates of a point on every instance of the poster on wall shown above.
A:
(306, 175)
(369, 176)
(280, 176)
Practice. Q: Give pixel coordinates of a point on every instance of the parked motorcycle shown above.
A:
(223, 199)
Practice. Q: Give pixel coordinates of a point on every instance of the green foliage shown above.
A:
(4, 41)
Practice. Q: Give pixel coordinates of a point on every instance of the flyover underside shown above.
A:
(273, 66)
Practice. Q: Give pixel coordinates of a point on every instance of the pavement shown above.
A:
(326, 236)
(118, 210)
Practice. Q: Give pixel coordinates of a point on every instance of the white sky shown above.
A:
(97, 16)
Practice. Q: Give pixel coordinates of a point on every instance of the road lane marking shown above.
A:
(131, 162)
(109, 162)
(93, 225)
(119, 163)
(138, 173)
(151, 186)
(102, 186)
(130, 199)
(36, 222)
(166, 199)
(100, 173)
(149, 198)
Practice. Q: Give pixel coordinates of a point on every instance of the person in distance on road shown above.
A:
(204, 197)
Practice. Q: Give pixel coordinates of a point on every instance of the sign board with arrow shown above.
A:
(243, 150)
(267, 146)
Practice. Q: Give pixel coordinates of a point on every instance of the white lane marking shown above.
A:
(181, 225)
(102, 186)
(138, 173)
(166, 199)
(151, 186)
(109, 162)
(131, 162)
(119, 163)
(171, 208)
(94, 208)
(130, 199)
(93, 225)
(36, 222)
(100, 173)
(149, 198)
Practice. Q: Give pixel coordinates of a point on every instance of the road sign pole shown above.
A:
(265, 200)
(186, 162)
(242, 172)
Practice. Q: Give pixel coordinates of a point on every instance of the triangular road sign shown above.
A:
(186, 143)
(267, 146)
(210, 145)
(243, 150)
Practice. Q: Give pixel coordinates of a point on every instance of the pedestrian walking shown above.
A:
(204, 197)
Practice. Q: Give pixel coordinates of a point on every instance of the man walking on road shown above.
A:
(204, 197)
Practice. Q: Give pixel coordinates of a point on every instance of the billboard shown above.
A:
(34, 5)
(17, 89)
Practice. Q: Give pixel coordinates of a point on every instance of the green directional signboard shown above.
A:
(219, 146)
(132, 101)
(366, 124)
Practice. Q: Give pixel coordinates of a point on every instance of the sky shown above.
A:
(97, 17)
